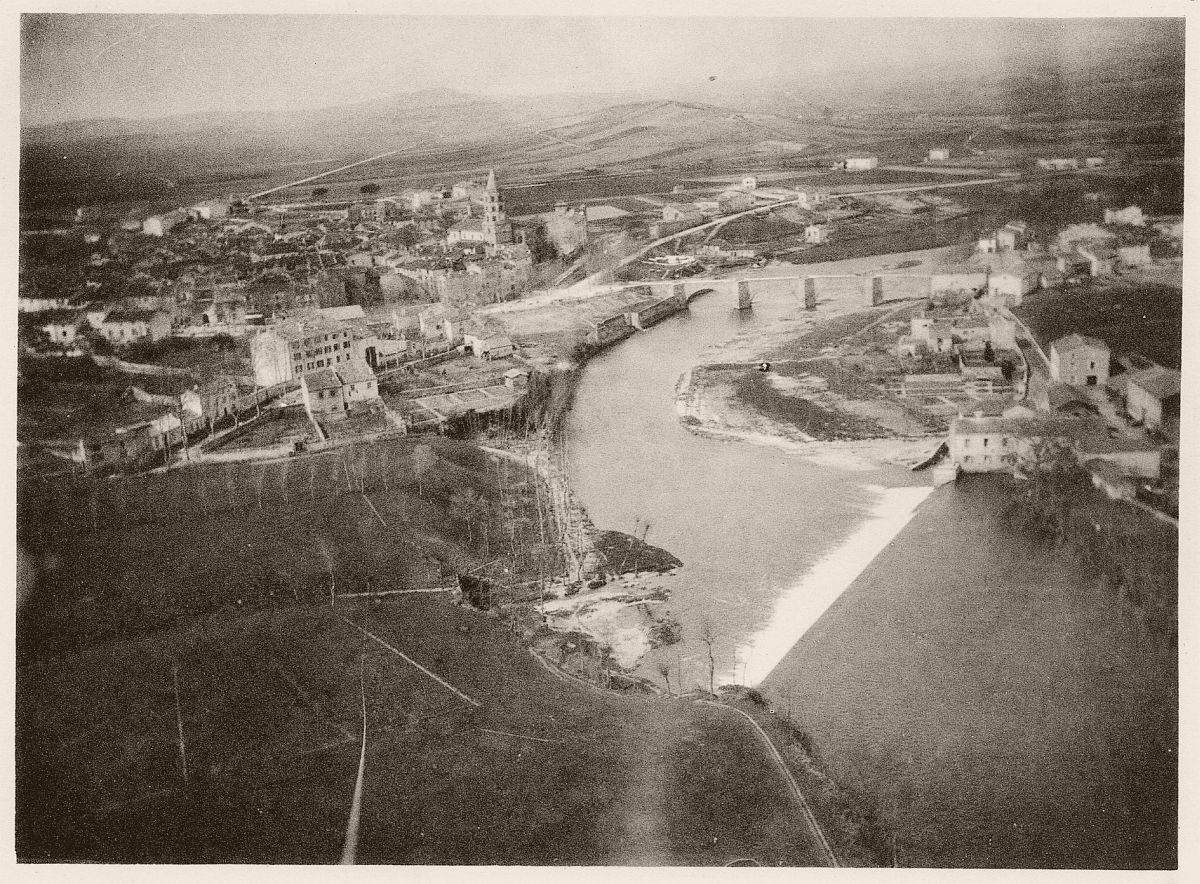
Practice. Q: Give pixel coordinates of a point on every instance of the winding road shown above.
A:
(590, 281)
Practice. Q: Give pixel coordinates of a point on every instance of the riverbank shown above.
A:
(614, 587)
(620, 616)
(713, 410)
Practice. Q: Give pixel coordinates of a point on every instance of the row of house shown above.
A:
(1066, 164)
(968, 333)
(981, 444)
(65, 328)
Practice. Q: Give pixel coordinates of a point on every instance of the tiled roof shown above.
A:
(1090, 434)
(355, 372)
(322, 379)
(1161, 383)
(1070, 342)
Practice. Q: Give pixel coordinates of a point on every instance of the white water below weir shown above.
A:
(769, 537)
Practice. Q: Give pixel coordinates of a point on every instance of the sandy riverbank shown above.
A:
(713, 412)
(709, 406)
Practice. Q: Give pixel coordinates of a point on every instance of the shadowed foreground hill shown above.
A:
(183, 623)
(541, 772)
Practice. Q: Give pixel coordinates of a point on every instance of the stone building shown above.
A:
(1079, 360)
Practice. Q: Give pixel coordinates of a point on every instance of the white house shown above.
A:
(999, 444)
(816, 233)
(1058, 164)
(1011, 286)
(1152, 395)
(811, 199)
(1079, 360)
(1129, 215)
(937, 154)
(1134, 256)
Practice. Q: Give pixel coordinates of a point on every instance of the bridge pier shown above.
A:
(744, 299)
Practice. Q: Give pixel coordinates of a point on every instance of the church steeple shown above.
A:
(495, 228)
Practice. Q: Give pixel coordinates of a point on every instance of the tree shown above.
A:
(369, 189)
(708, 635)
(664, 669)
(464, 506)
(1057, 484)
(320, 192)
(408, 236)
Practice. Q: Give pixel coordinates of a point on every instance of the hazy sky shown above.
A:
(85, 66)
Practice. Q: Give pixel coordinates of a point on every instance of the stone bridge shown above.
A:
(870, 290)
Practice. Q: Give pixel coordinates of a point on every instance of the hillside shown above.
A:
(189, 692)
(528, 769)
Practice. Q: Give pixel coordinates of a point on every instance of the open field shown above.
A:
(1002, 709)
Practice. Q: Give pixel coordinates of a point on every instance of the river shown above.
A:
(768, 537)
(933, 686)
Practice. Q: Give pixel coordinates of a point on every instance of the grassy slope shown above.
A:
(187, 571)
(1000, 708)
(118, 558)
(270, 710)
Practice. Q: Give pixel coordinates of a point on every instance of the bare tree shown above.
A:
(637, 523)
(641, 546)
(424, 459)
(464, 506)
(258, 484)
(664, 669)
(179, 722)
(708, 635)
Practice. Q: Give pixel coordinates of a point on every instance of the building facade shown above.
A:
(1079, 360)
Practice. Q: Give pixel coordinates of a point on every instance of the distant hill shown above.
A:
(870, 103)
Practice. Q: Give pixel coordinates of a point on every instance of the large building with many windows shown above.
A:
(289, 349)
